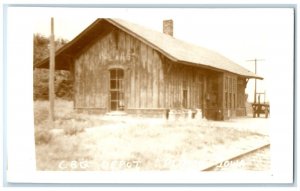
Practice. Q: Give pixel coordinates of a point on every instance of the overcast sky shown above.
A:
(238, 34)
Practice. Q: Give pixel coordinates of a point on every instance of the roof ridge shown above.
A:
(193, 49)
(175, 49)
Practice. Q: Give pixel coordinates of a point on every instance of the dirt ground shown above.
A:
(258, 125)
(154, 144)
(87, 142)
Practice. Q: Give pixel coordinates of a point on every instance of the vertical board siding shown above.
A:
(149, 77)
(151, 81)
(156, 65)
(142, 72)
(231, 81)
(143, 76)
(241, 97)
(174, 77)
(161, 90)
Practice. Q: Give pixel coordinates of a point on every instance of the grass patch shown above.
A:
(87, 142)
(42, 136)
(74, 128)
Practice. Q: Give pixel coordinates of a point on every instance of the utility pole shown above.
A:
(255, 62)
(51, 75)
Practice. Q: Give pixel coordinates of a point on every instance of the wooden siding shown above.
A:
(143, 80)
(152, 83)
(229, 95)
(179, 77)
(241, 97)
(214, 95)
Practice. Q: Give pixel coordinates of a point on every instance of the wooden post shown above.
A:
(255, 62)
(255, 82)
(51, 75)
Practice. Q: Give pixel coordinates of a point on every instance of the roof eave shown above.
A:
(45, 62)
(254, 76)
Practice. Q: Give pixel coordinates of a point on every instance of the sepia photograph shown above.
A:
(158, 95)
(121, 96)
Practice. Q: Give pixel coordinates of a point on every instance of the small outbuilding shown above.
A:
(120, 66)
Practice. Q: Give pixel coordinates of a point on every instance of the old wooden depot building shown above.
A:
(120, 66)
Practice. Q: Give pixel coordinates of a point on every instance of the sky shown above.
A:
(238, 34)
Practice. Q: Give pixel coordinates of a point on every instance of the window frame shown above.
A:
(116, 89)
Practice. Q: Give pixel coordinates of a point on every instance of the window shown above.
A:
(230, 92)
(116, 90)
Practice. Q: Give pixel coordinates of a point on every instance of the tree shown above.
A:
(63, 84)
(41, 47)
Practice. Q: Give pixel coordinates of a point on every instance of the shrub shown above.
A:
(63, 84)
(42, 136)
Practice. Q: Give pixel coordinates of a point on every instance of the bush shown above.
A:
(42, 137)
(65, 89)
(63, 84)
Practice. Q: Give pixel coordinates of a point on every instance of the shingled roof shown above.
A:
(175, 49)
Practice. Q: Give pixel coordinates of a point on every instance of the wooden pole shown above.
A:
(51, 75)
(255, 62)
(255, 82)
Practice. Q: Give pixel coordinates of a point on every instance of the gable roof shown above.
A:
(174, 49)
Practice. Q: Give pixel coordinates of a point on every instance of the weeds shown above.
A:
(155, 146)
(73, 128)
(42, 136)
(41, 112)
